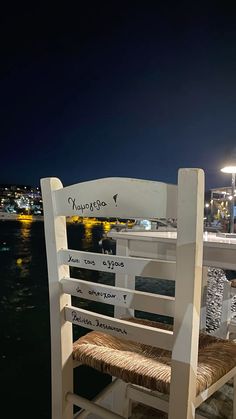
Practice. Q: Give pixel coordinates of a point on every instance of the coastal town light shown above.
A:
(231, 168)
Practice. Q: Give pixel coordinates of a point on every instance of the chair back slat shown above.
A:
(162, 269)
(122, 297)
(159, 338)
(118, 197)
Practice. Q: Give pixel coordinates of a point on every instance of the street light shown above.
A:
(207, 212)
(231, 168)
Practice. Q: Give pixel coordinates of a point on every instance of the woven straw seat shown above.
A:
(148, 366)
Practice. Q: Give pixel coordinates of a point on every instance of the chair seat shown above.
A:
(149, 366)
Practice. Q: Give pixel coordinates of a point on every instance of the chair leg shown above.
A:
(121, 404)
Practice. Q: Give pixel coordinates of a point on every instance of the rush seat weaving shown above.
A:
(150, 367)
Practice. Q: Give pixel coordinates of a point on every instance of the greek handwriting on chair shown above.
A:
(145, 358)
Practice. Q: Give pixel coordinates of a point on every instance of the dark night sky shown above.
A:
(117, 89)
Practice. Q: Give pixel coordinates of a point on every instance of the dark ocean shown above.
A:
(24, 315)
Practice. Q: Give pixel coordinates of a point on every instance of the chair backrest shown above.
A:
(126, 199)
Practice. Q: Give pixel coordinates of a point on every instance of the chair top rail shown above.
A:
(122, 297)
(124, 329)
(151, 268)
(117, 197)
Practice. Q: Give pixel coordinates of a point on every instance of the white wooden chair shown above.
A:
(148, 360)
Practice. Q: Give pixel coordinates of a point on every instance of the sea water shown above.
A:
(24, 316)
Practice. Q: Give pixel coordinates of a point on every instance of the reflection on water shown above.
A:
(17, 290)
(88, 230)
(94, 228)
(24, 318)
(20, 265)
(24, 308)
(25, 228)
(85, 233)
